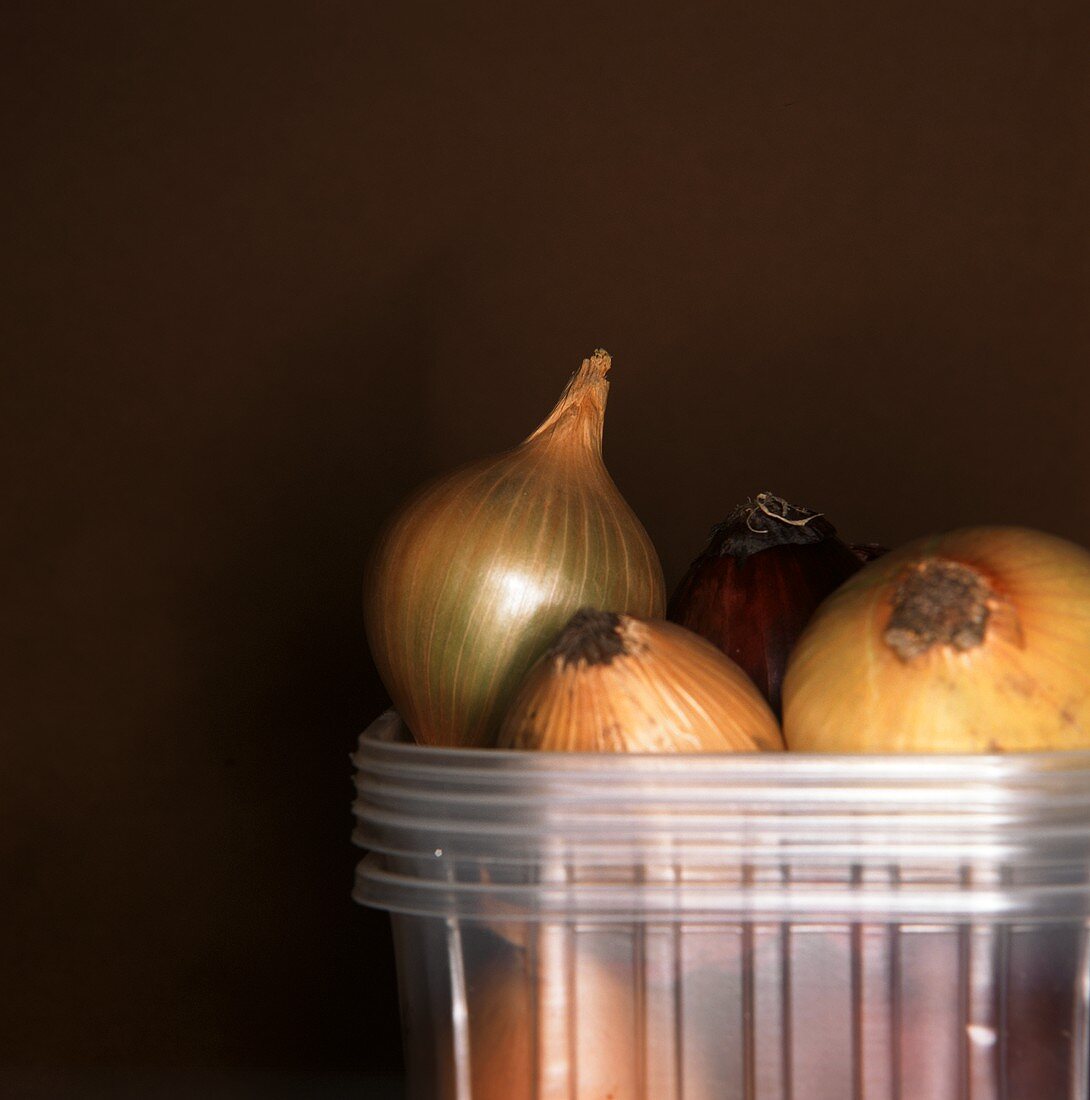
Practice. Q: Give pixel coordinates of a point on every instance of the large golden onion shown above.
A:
(973, 641)
(479, 570)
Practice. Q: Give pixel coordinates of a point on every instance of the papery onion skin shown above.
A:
(755, 585)
(476, 573)
(615, 683)
(862, 678)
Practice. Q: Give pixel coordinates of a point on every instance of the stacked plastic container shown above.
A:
(713, 927)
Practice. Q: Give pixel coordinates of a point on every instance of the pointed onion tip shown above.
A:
(597, 366)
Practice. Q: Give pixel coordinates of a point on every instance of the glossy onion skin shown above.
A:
(1026, 687)
(754, 609)
(674, 693)
(478, 571)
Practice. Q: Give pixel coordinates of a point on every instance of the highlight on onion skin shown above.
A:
(478, 571)
(973, 641)
(754, 587)
(615, 683)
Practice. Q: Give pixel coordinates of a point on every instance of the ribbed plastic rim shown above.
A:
(476, 832)
(386, 752)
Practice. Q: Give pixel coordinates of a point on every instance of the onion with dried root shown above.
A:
(973, 641)
(616, 683)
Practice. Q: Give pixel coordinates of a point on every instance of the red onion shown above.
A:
(758, 581)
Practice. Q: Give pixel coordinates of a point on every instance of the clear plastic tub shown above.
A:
(766, 927)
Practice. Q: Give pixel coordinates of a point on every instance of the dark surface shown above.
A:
(196, 1085)
(272, 264)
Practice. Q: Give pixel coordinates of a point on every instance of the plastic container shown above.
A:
(766, 927)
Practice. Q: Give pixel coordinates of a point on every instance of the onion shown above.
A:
(541, 1030)
(974, 641)
(615, 683)
(478, 571)
(764, 571)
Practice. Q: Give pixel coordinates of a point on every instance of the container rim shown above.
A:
(497, 805)
(882, 899)
(386, 748)
(473, 832)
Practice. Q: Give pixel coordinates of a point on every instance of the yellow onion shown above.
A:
(616, 683)
(973, 641)
(478, 571)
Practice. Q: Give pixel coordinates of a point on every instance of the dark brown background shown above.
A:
(272, 264)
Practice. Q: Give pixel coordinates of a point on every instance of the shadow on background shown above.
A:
(288, 683)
